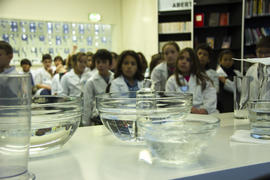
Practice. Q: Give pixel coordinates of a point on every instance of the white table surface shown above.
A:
(93, 153)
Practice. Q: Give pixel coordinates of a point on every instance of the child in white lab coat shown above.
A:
(226, 72)
(73, 81)
(165, 69)
(204, 53)
(43, 77)
(96, 85)
(129, 75)
(189, 78)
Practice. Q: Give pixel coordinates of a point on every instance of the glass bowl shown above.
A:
(178, 142)
(54, 120)
(123, 113)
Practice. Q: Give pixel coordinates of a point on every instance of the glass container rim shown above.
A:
(103, 95)
(15, 75)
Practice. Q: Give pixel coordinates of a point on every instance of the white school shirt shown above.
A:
(10, 70)
(72, 84)
(229, 85)
(159, 76)
(206, 99)
(212, 74)
(42, 77)
(255, 84)
(119, 85)
(56, 84)
(94, 86)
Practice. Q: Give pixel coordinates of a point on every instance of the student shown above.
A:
(257, 71)
(226, 72)
(59, 73)
(165, 69)
(129, 75)
(9, 87)
(188, 78)
(59, 64)
(6, 54)
(96, 85)
(204, 52)
(144, 63)
(114, 61)
(43, 77)
(89, 60)
(26, 65)
(156, 59)
(73, 81)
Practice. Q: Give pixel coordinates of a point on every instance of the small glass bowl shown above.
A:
(54, 120)
(124, 113)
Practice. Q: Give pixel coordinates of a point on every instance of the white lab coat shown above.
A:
(42, 77)
(56, 84)
(119, 85)
(159, 76)
(94, 86)
(206, 99)
(255, 85)
(212, 74)
(229, 85)
(72, 84)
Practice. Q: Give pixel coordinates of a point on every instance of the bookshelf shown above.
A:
(218, 23)
(175, 24)
(256, 24)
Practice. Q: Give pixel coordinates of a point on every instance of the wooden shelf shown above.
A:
(217, 27)
(175, 37)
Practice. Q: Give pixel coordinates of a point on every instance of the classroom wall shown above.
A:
(134, 21)
(140, 26)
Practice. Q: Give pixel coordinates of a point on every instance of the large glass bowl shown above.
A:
(54, 120)
(179, 142)
(123, 113)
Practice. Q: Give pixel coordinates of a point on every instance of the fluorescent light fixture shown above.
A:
(94, 17)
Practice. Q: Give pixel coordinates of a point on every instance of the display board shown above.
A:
(31, 38)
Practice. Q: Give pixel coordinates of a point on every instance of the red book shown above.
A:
(199, 20)
(224, 19)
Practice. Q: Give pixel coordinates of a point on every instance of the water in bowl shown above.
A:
(54, 136)
(260, 123)
(177, 142)
(123, 127)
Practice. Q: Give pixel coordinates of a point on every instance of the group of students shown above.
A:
(185, 70)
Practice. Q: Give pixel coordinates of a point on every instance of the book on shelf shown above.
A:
(213, 19)
(174, 27)
(224, 19)
(226, 43)
(254, 7)
(210, 41)
(199, 20)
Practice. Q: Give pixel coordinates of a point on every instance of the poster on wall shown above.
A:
(31, 38)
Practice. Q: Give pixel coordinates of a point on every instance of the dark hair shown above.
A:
(114, 55)
(222, 53)
(89, 53)
(26, 61)
(103, 54)
(264, 42)
(6, 47)
(58, 58)
(143, 61)
(46, 56)
(76, 57)
(194, 69)
(138, 75)
(154, 61)
(172, 43)
(206, 47)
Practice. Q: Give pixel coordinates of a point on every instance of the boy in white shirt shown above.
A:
(6, 54)
(97, 85)
(43, 77)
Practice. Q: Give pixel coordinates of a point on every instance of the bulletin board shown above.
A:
(31, 38)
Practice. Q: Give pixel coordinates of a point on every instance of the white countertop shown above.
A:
(93, 153)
